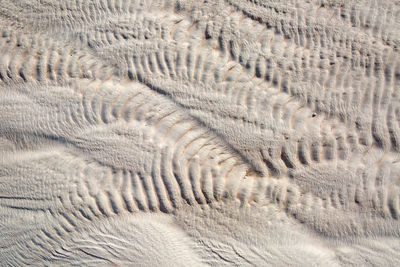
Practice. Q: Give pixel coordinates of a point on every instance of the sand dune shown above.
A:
(176, 133)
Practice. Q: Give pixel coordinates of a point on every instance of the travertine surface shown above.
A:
(195, 133)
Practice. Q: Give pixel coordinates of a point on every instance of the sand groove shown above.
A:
(23, 60)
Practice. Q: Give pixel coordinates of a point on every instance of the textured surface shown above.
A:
(194, 133)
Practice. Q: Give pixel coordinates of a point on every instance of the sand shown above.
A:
(199, 133)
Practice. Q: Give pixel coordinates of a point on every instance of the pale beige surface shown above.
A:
(194, 133)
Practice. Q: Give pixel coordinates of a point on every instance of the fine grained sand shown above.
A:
(194, 133)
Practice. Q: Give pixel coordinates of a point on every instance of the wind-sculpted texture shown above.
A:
(199, 133)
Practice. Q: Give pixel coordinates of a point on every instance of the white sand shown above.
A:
(194, 133)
